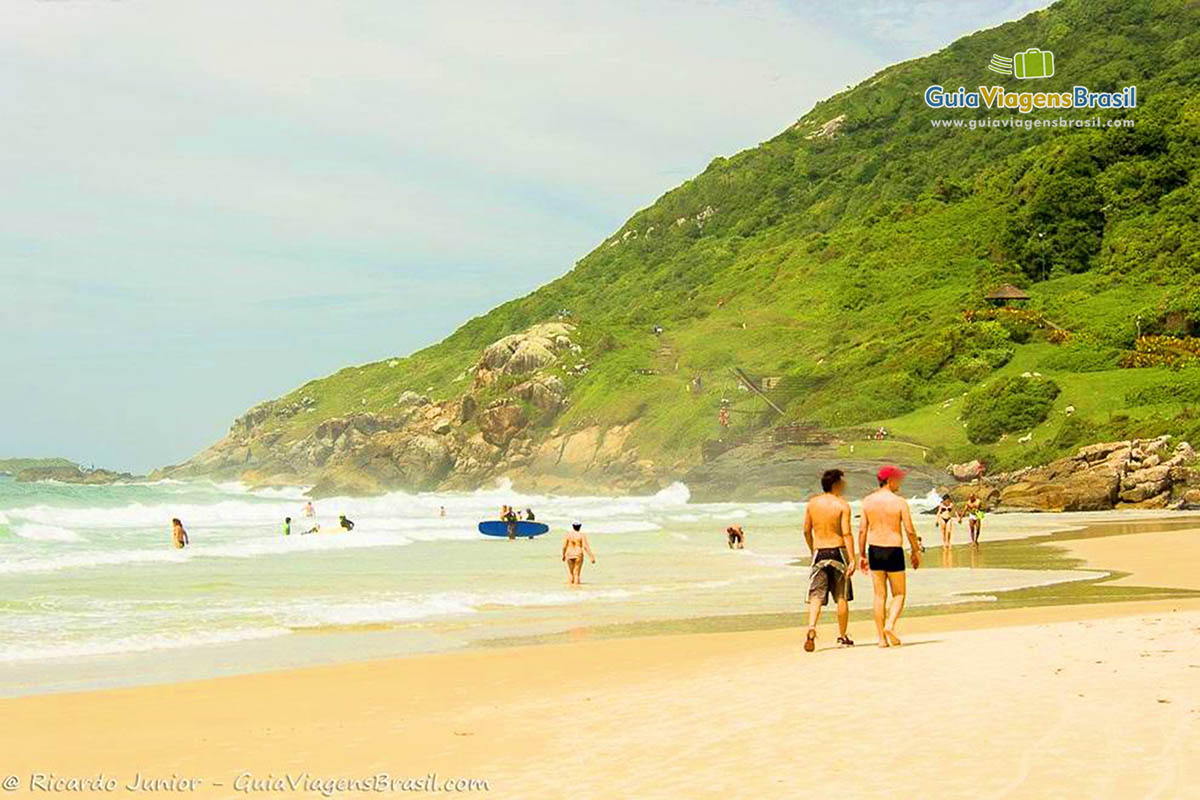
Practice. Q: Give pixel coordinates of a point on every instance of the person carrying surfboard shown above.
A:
(508, 515)
(575, 545)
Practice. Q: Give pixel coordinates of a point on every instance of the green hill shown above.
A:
(846, 260)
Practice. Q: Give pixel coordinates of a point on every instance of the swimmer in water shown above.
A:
(178, 534)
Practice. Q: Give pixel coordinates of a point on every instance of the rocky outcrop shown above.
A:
(499, 426)
(1140, 473)
(73, 474)
(968, 471)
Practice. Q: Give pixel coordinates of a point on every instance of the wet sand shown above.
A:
(1097, 700)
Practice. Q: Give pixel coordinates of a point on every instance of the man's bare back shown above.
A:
(885, 514)
(829, 520)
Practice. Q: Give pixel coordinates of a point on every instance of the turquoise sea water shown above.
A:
(93, 593)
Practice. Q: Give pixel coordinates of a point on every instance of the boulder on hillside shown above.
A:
(500, 422)
(525, 352)
(411, 399)
(546, 392)
(967, 471)
(529, 356)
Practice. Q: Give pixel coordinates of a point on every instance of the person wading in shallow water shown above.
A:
(974, 514)
(178, 534)
(509, 516)
(736, 537)
(827, 532)
(575, 545)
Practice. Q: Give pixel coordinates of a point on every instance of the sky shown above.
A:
(206, 204)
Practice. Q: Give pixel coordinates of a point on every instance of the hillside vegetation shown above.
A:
(848, 259)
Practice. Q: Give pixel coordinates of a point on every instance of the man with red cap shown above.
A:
(886, 519)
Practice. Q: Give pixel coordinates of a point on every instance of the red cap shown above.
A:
(889, 472)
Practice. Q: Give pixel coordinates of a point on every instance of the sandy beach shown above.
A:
(1099, 700)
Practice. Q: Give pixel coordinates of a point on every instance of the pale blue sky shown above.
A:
(207, 203)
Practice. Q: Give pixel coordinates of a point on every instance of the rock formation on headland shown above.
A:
(501, 426)
(1140, 473)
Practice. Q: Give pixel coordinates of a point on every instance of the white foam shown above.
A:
(138, 643)
(620, 526)
(46, 533)
(407, 608)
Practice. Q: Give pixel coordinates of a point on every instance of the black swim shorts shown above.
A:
(885, 559)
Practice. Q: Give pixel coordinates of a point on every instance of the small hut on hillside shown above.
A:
(1006, 294)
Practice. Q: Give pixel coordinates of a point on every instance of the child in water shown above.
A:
(575, 544)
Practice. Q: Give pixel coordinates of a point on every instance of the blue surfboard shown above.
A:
(495, 527)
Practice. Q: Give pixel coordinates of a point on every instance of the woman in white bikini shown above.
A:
(575, 544)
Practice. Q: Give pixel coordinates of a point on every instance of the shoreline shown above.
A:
(676, 712)
(1012, 547)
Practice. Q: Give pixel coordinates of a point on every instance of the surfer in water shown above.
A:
(309, 511)
(347, 525)
(575, 545)
(287, 526)
(178, 534)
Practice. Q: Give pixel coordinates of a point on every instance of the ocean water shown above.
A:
(93, 593)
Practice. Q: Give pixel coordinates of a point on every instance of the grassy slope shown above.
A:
(844, 264)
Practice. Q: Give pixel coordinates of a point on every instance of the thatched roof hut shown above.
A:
(1007, 293)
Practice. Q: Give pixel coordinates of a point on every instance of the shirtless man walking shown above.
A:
(827, 532)
(881, 543)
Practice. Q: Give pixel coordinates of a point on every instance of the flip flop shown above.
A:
(891, 637)
(810, 642)
(845, 641)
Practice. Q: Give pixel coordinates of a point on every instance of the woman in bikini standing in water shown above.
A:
(945, 519)
(575, 544)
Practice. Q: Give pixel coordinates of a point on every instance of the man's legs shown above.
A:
(843, 615)
(879, 580)
(898, 584)
(814, 610)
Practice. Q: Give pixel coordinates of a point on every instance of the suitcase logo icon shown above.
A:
(1033, 63)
